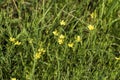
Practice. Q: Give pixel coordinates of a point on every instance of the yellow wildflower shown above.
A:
(60, 41)
(37, 55)
(93, 14)
(71, 45)
(42, 50)
(12, 39)
(61, 36)
(17, 43)
(62, 23)
(78, 39)
(13, 79)
(55, 33)
(117, 58)
(91, 27)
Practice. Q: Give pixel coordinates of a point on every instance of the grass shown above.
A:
(31, 49)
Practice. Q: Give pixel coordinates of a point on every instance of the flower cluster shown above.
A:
(13, 40)
(61, 39)
(77, 39)
(39, 53)
(91, 27)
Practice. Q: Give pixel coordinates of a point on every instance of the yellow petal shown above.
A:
(62, 23)
(117, 58)
(61, 36)
(13, 78)
(12, 39)
(71, 45)
(60, 41)
(55, 33)
(91, 27)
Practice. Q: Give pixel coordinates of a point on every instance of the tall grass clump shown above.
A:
(59, 40)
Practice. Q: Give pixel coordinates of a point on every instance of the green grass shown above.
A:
(32, 23)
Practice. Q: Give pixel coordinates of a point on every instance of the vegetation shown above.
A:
(59, 40)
